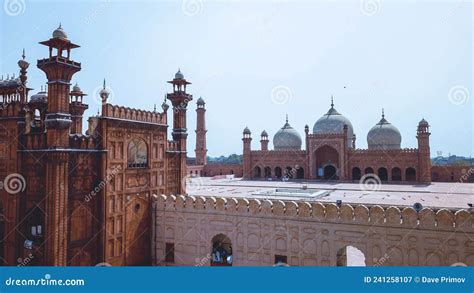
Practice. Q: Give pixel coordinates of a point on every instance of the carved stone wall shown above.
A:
(309, 233)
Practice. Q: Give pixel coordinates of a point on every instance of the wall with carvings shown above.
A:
(309, 233)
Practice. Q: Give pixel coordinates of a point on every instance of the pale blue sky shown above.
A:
(404, 57)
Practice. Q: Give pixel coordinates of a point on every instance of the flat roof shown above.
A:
(436, 195)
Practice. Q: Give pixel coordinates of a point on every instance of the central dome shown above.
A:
(333, 122)
(287, 138)
(384, 136)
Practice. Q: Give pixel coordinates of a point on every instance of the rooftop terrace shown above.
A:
(436, 195)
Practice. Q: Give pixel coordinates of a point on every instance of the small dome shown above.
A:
(41, 96)
(423, 123)
(179, 75)
(59, 33)
(264, 133)
(384, 136)
(165, 106)
(247, 130)
(287, 138)
(200, 101)
(104, 90)
(333, 122)
(76, 88)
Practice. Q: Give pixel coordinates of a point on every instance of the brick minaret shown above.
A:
(201, 151)
(247, 159)
(59, 70)
(180, 99)
(77, 108)
(264, 141)
(424, 160)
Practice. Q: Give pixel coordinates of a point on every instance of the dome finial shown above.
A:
(60, 25)
(154, 108)
(286, 118)
(332, 101)
(383, 113)
(104, 83)
(23, 55)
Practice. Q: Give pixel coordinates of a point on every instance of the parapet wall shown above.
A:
(310, 233)
(407, 217)
(121, 112)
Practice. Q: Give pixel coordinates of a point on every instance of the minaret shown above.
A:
(59, 70)
(77, 108)
(201, 151)
(264, 141)
(23, 64)
(247, 159)
(179, 100)
(424, 160)
(104, 95)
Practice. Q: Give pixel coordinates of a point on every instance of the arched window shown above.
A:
(356, 173)
(289, 172)
(410, 174)
(277, 172)
(257, 172)
(137, 154)
(396, 174)
(221, 251)
(368, 170)
(383, 174)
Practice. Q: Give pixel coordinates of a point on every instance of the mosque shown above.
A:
(330, 152)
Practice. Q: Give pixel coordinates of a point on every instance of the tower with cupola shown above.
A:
(59, 69)
(179, 100)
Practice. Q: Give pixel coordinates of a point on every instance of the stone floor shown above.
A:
(436, 195)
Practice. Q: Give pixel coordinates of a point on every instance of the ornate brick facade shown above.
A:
(83, 199)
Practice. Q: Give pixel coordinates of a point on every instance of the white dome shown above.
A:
(59, 33)
(333, 122)
(287, 138)
(179, 75)
(384, 136)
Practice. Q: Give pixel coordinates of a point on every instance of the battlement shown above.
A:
(81, 141)
(121, 112)
(373, 215)
(282, 152)
(399, 151)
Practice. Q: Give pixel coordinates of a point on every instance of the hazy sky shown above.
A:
(413, 58)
